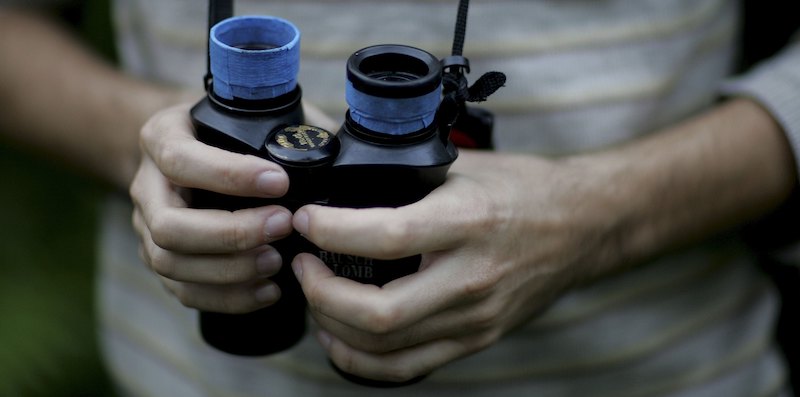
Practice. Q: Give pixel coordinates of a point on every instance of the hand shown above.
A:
(211, 260)
(500, 239)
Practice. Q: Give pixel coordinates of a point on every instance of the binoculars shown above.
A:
(393, 149)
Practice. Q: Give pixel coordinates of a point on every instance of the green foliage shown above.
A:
(48, 337)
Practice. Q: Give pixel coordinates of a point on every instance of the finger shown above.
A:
(232, 299)
(442, 220)
(177, 228)
(382, 233)
(381, 310)
(151, 188)
(168, 139)
(401, 365)
(458, 321)
(208, 269)
(217, 231)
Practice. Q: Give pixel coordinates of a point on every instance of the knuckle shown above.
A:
(344, 360)
(374, 345)
(480, 284)
(135, 190)
(227, 303)
(400, 374)
(168, 156)
(183, 296)
(398, 371)
(236, 237)
(227, 179)
(364, 341)
(390, 370)
(238, 300)
(229, 271)
(149, 130)
(161, 232)
(396, 237)
(232, 302)
(314, 299)
(382, 320)
(490, 219)
(162, 263)
(486, 316)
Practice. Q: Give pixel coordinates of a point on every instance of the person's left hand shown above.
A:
(500, 239)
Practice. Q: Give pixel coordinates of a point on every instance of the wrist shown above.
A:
(597, 211)
(673, 188)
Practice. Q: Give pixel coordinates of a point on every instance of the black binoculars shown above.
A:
(390, 151)
(393, 148)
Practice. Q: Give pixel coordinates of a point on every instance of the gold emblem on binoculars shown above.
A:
(303, 137)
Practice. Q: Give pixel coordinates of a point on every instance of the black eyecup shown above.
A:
(425, 69)
(279, 104)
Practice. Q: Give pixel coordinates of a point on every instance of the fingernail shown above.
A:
(268, 293)
(272, 183)
(278, 225)
(297, 269)
(268, 262)
(300, 222)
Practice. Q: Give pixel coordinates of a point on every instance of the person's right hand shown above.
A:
(212, 260)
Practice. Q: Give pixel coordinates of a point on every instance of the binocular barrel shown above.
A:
(254, 63)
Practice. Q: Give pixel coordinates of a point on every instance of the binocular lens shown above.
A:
(393, 67)
(393, 76)
(255, 46)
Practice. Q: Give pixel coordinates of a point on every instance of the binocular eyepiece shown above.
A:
(393, 89)
(254, 58)
(390, 151)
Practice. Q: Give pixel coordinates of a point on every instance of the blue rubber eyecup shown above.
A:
(254, 57)
(393, 89)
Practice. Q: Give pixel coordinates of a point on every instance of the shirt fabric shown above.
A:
(582, 75)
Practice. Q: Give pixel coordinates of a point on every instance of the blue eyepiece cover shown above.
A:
(254, 57)
(393, 116)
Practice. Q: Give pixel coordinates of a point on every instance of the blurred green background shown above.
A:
(48, 337)
(47, 323)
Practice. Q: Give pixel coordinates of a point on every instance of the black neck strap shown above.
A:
(217, 11)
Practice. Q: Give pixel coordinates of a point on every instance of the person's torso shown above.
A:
(582, 75)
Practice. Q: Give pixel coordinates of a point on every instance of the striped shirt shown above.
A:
(582, 75)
